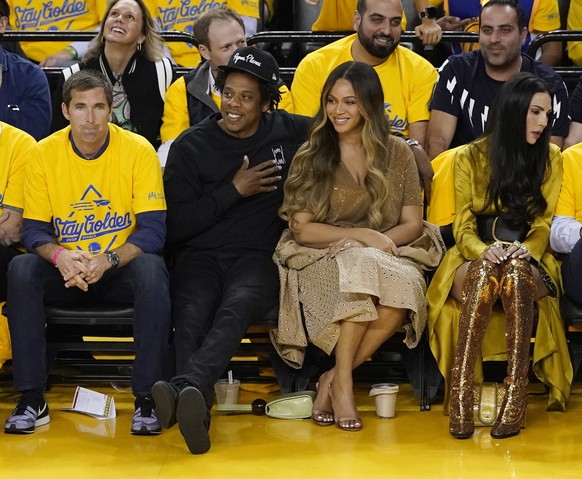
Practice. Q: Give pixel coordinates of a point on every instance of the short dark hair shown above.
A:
(4, 9)
(86, 80)
(519, 11)
(361, 6)
(269, 91)
(202, 25)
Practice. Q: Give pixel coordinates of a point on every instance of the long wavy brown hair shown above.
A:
(153, 45)
(309, 185)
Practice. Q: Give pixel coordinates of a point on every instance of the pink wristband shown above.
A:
(56, 254)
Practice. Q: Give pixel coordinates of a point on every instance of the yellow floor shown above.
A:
(412, 445)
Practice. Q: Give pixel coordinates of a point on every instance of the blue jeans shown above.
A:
(215, 295)
(34, 282)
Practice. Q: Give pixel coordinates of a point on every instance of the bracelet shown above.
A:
(72, 51)
(56, 254)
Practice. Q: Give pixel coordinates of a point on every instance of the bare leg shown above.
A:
(389, 321)
(322, 409)
(341, 390)
(375, 334)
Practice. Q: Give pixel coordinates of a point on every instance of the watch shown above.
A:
(113, 258)
(429, 12)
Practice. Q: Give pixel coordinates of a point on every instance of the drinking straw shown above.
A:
(230, 381)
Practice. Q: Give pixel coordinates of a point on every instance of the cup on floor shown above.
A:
(227, 393)
(385, 396)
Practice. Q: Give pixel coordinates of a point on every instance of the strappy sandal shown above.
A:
(321, 417)
(349, 424)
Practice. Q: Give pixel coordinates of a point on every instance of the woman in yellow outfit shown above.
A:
(512, 174)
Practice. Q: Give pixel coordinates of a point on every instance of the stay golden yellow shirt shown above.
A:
(92, 203)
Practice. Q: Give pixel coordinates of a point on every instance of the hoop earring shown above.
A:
(139, 47)
(103, 40)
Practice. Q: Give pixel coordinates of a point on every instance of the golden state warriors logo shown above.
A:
(92, 218)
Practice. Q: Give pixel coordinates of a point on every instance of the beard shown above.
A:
(501, 64)
(378, 51)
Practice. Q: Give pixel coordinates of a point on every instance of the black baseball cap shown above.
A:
(256, 62)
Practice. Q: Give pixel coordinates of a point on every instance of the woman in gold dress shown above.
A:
(506, 188)
(353, 202)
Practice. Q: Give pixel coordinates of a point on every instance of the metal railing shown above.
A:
(328, 37)
(81, 36)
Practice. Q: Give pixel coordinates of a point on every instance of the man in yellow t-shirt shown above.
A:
(55, 15)
(407, 78)
(94, 218)
(181, 15)
(16, 148)
(193, 97)
(566, 231)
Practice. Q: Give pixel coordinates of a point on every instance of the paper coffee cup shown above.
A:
(385, 397)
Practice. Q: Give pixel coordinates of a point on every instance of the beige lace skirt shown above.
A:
(343, 290)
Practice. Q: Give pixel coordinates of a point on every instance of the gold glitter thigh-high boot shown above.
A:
(517, 295)
(480, 291)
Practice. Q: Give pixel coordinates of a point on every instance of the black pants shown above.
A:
(6, 255)
(34, 282)
(215, 296)
(572, 274)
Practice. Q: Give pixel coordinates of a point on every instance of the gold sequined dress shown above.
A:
(343, 289)
(551, 361)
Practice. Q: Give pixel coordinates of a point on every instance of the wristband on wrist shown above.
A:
(72, 51)
(56, 254)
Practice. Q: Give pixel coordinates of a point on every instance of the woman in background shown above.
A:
(129, 52)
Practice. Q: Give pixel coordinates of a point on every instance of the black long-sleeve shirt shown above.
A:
(205, 210)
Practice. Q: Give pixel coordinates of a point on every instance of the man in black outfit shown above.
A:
(224, 184)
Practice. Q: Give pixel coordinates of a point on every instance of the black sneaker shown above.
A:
(165, 396)
(31, 411)
(145, 422)
(192, 416)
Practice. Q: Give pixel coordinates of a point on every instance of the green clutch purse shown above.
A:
(297, 405)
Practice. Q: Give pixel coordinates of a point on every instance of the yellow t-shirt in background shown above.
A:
(53, 15)
(570, 199)
(338, 15)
